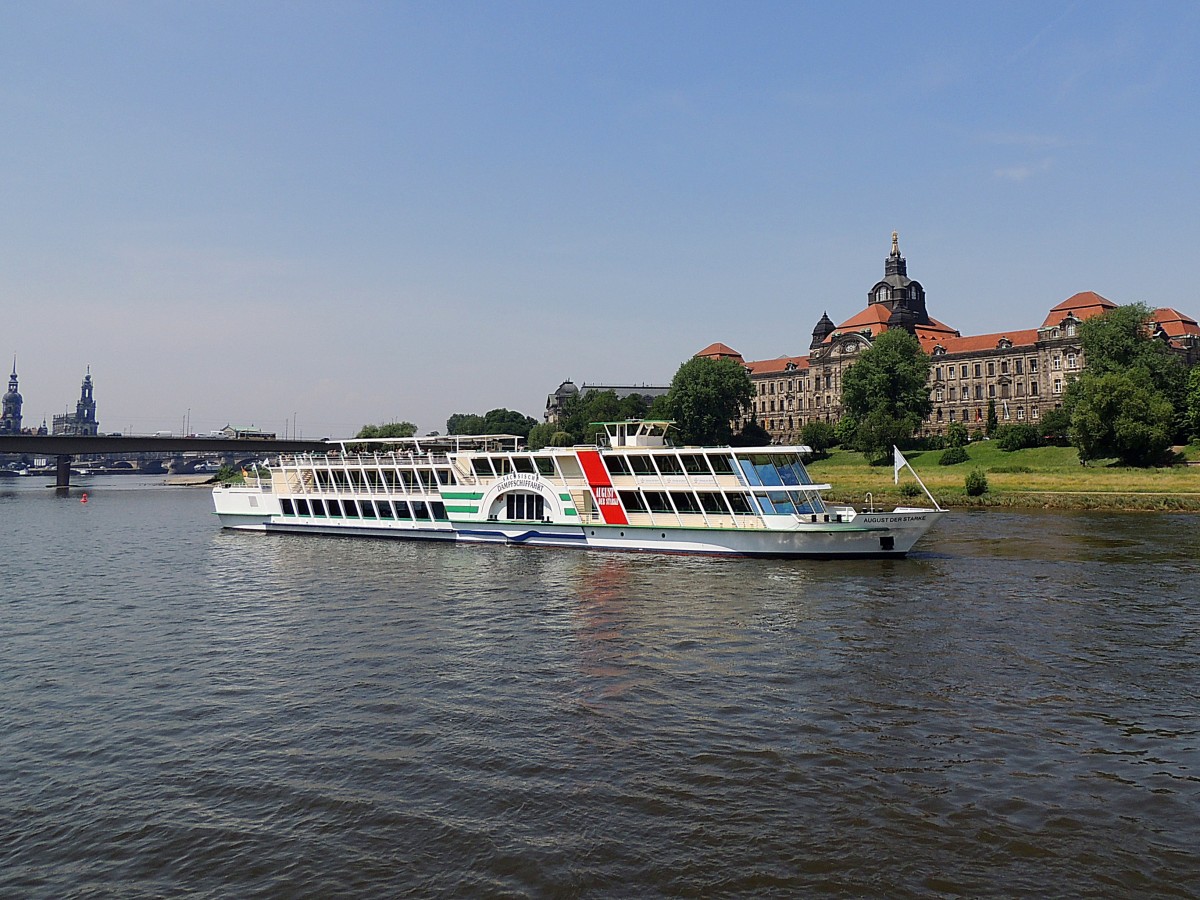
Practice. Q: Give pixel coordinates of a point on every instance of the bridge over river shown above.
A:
(65, 447)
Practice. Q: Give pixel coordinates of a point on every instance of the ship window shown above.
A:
(632, 501)
(302, 507)
(694, 464)
(545, 466)
(657, 501)
(523, 464)
(446, 476)
(384, 509)
(721, 465)
(616, 465)
(420, 509)
(669, 465)
(712, 503)
(685, 502)
(522, 505)
(402, 510)
(738, 503)
(318, 507)
(288, 509)
(334, 507)
(427, 480)
(366, 509)
(481, 467)
(778, 501)
(320, 479)
(502, 465)
(439, 510)
(641, 465)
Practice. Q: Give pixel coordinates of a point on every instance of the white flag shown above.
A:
(900, 461)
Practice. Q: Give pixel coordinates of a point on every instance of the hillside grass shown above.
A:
(1037, 477)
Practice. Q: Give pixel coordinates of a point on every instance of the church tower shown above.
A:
(899, 293)
(85, 409)
(10, 412)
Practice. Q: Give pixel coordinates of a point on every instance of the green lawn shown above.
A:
(1040, 477)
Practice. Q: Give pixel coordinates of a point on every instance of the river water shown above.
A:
(1012, 711)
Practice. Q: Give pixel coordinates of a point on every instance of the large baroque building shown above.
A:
(1023, 371)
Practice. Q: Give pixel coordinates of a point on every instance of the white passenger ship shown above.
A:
(635, 493)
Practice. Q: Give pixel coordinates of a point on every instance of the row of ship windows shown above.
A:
(373, 479)
(329, 507)
(687, 502)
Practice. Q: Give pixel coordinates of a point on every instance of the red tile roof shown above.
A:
(1175, 323)
(1083, 305)
(975, 343)
(720, 351)
(776, 366)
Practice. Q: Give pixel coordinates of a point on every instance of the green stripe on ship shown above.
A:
(462, 495)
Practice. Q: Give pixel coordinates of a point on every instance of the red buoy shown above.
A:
(83, 499)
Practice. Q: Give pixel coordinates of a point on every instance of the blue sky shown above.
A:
(361, 212)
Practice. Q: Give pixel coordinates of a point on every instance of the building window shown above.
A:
(1071, 361)
(963, 371)
(1004, 367)
(1071, 330)
(1020, 367)
(1007, 415)
(939, 396)
(1056, 363)
(991, 390)
(951, 415)
(1020, 413)
(1033, 389)
(939, 414)
(951, 393)
(1033, 412)
(937, 373)
(1020, 389)
(991, 369)
(1033, 365)
(1058, 385)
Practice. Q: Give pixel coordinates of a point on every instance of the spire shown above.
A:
(895, 264)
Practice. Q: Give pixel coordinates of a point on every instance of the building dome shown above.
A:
(824, 328)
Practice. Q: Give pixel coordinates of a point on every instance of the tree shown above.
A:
(957, 435)
(1193, 402)
(1130, 401)
(706, 396)
(989, 425)
(1055, 429)
(1120, 414)
(820, 436)
(751, 435)
(388, 430)
(465, 423)
(885, 393)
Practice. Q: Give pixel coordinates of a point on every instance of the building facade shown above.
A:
(1024, 372)
(83, 420)
(556, 401)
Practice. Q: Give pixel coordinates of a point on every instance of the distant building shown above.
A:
(83, 421)
(1023, 372)
(556, 401)
(10, 412)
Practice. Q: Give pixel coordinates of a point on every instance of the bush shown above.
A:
(1017, 437)
(933, 442)
(976, 483)
(957, 435)
(909, 490)
(952, 456)
(1011, 470)
(820, 436)
(1055, 427)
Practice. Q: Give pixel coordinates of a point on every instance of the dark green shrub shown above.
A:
(1017, 437)
(909, 490)
(976, 483)
(952, 456)
(957, 435)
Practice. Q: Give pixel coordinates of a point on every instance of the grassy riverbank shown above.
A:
(1040, 477)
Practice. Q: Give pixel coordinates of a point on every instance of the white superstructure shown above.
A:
(633, 492)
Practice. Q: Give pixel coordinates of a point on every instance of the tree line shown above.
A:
(1132, 402)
